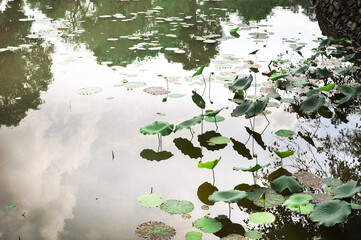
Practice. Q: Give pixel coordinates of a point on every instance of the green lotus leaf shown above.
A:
(346, 71)
(284, 133)
(298, 200)
(155, 230)
(152, 155)
(230, 196)
(273, 95)
(189, 123)
(219, 140)
(203, 140)
(278, 173)
(233, 236)
(177, 207)
(242, 108)
(355, 206)
(257, 108)
(253, 235)
(187, 148)
(265, 197)
(347, 190)
(234, 30)
(277, 76)
(325, 43)
(214, 119)
(312, 92)
(330, 212)
(11, 206)
(325, 112)
(285, 182)
(199, 71)
(163, 128)
(323, 73)
(251, 169)
(150, 200)
(301, 70)
(204, 191)
(328, 87)
(304, 209)
(215, 112)
(234, 34)
(346, 90)
(287, 100)
(89, 90)
(194, 235)
(262, 217)
(284, 154)
(209, 164)
(208, 225)
(198, 100)
(241, 84)
(312, 103)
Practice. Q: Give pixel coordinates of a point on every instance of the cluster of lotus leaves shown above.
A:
(230, 196)
(157, 127)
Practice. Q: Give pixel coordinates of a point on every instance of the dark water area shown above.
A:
(81, 81)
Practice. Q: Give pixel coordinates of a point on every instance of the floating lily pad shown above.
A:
(207, 225)
(177, 207)
(156, 91)
(284, 133)
(265, 197)
(347, 190)
(194, 235)
(152, 155)
(273, 95)
(214, 119)
(308, 179)
(262, 217)
(285, 182)
(155, 230)
(298, 200)
(332, 182)
(89, 90)
(157, 127)
(209, 164)
(253, 235)
(233, 236)
(287, 100)
(150, 200)
(219, 140)
(304, 209)
(176, 95)
(230, 196)
(131, 85)
(330, 212)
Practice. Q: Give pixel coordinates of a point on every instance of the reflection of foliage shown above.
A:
(23, 75)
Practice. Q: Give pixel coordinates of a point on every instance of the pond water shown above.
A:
(76, 82)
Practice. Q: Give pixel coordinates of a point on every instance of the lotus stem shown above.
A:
(192, 133)
(205, 85)
(229, 211)
(214, 178)
(158, 141)
(209, 89)
(151, 189)
(215, 122)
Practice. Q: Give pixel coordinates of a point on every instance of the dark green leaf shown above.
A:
(198, 100)
(312, 103)
(199, 71)
(241, 84)
(189, 123)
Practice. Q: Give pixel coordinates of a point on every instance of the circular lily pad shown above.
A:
(155, 230)
(211, 119)
(131, 85)
(262, 217)
(233, 236)
(332, 182)
(219, 140)
(150, 200)
(230, 196)
(156, 91)
(89, 90)
(177, 207)
(194, 236)
(176, 95)
(208, 225)
(330, 212)
(284, 133)
(253, 235)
